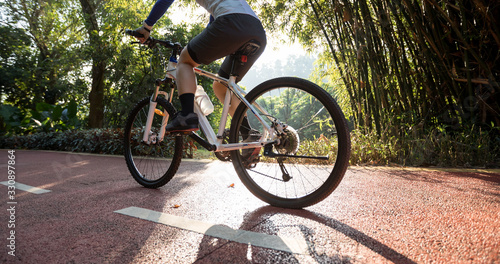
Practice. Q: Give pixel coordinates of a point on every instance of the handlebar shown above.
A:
(152, 42)
(133, 33)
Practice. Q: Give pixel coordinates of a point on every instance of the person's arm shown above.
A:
(156, 13)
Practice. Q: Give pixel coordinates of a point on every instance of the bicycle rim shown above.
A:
(152, 165)
(315, 144)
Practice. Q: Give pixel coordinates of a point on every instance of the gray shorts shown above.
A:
(223, 37)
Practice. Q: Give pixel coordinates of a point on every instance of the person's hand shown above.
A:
(145, 30)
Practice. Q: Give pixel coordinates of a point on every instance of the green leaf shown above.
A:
(40, 107)
(72, 109)
(36, 115)
(7, 111)
(56, 113)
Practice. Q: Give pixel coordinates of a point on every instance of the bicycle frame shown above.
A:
(284, 177)
(214, 141)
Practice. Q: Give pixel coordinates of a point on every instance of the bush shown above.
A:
(101, 141)
(435, 148)
(46, 118)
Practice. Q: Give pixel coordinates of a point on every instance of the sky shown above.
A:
(275, 48)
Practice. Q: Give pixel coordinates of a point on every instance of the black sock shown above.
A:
(187, 103)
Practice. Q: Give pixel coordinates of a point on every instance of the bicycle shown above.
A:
(299, 147)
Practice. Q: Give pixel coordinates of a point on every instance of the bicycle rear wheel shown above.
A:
(151, 165)
(312, 155)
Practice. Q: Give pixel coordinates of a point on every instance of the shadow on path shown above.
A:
(213, 250)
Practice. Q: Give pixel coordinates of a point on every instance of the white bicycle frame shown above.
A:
(269, 135)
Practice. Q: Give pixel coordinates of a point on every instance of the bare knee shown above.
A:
(185, 60)
(185, 74)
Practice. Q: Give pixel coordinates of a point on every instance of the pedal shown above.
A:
(182, 133)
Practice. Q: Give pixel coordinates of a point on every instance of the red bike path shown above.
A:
(82, 211)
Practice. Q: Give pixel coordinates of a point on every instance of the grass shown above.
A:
(434, 148)
(201, 153)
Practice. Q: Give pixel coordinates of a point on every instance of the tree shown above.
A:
(16, 64)
(405, 64)
(51, 37)
(52, 49)
(96, 96)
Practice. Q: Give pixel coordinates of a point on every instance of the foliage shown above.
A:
(109, 141)
(45, 117)
(11, 118)
(100, 141)
(298, 109)
(44, 44)
(437, 148)
(16, 64)
(404, 63)
(55, 117)
(45, 57)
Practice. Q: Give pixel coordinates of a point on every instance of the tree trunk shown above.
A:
(96, 96)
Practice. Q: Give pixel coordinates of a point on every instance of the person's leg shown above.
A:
(220, 92)
(244, 29)
(210, 45)
(186, 120)
(186, 81)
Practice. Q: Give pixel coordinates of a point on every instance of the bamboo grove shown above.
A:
(406, 64)
(405, 69)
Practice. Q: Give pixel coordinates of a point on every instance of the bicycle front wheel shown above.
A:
(154, 164)
(311, 155)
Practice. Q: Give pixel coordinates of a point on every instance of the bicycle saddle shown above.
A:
(248, 49)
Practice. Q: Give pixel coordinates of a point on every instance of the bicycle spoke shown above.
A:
(298, 169)
(153, 164)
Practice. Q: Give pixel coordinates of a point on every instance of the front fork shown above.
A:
(148, 136)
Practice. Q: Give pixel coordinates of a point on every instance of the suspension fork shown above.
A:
(164, 121)
(147, 134)
(151, 113)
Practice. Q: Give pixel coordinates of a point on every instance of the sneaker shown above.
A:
(181, 123)
(251, 156)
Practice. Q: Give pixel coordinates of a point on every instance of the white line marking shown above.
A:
(292, 245)
(27, 188)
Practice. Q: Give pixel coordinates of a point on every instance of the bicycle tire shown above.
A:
(152, 165)
(326, 118)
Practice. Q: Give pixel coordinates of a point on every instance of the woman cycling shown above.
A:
(234, 24)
